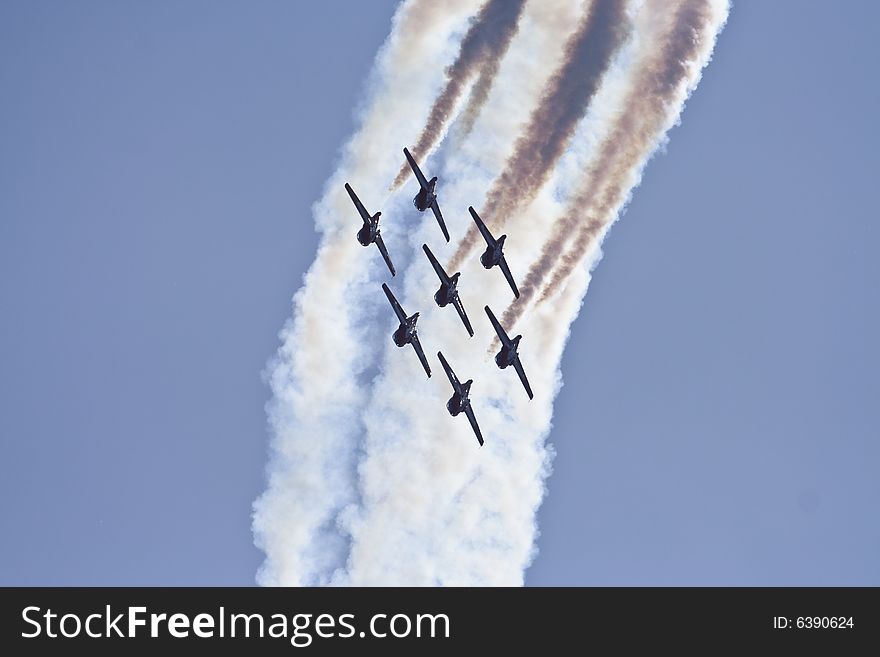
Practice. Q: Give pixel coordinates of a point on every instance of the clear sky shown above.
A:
(719, 422)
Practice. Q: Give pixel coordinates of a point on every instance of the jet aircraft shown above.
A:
(448, 292)
(460, 401)
(508, 354)
(406, 333)
(494, 254)
(369, 232)
(427, 196)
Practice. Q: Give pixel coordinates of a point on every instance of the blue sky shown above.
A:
(719, 420)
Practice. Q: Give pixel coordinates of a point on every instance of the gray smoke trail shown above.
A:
(484, 45)
(478, 97)
(657, 96)
(565, 100)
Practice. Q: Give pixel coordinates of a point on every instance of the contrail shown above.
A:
(318, 391)
(403, 416)
(370, 479)
(603, 29)
(658, 92)
(485, 43)
(435, 508)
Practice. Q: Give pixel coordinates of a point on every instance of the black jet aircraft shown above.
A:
(369, 232)
(460, 401)
(427, 197)
(406, 333)
(448, 292)
(508, 354)
(494, 254)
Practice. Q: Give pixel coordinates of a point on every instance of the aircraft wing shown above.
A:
(497, 326)
(473, 420)
(415, 167)
(436, 208)
(437, 268)
(508, 276)
(357, 203)
(381, 244)
(483, 230)
(401, 316)
(522, 376)
(421, 354)
(449, 373)
(459, 306)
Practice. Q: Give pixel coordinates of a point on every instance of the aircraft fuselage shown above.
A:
(446, 294)
(458, 403)
(492, 255)
(425, 197)
(507, 355)
(405, 333)
(367, 234)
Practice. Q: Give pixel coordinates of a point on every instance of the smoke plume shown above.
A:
(481, 50)
(564, 102)
(658, 91)
(370, 481)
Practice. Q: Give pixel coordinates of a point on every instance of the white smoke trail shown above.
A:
(426, 506)
(422, 491)
(436, 510)
(316, 377)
